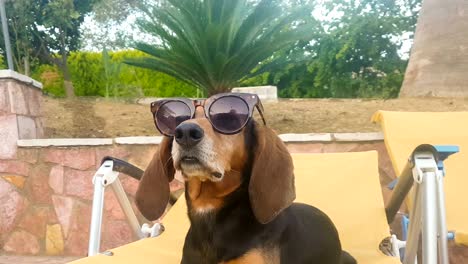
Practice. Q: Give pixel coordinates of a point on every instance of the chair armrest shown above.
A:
(125, 167)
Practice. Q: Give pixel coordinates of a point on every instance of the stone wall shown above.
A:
(20, 109)
(46, 189)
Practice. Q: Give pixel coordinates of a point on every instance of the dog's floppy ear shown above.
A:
(271, 187)
(153, 192)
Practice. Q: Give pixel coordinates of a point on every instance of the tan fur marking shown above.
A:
(211, 194)
(257, 256)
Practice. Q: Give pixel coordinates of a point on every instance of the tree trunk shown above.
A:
(438, 64)
(27, 67)
(63, 66)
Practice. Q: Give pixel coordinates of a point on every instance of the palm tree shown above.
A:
(215, 44)
(438, 64)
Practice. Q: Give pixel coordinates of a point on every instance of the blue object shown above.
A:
(405, 225)
(392, 184)
(451, 235)
(444, 151)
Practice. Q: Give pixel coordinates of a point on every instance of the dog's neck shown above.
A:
(208, 196)
(213, 205)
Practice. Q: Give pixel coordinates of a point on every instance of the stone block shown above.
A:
(27, 154)
(312, 147)
(14, 167)
(34, 100)
(265, 93)
(9, 75)
(355, 137)
(313, 137)
(339, 147)
(4, 101)
(22, 243)
(79, 183)
(76, 243)
(62, 142)
(80, 159)
(16, 180)
(9, 136)
(56, 179)
(141, 140)
(116, 233)
(13, 204)
(17, 98)
(129, 184)
(64, 210)
(112, 207)
(35, 220)
(114, 151)
(39, 127)
(54, 240)
(26, 127)
(38, 185)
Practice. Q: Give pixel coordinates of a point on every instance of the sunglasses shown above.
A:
(228, 113)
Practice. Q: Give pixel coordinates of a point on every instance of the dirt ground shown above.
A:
(98, 117)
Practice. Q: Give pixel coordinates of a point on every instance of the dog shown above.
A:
(239, 188)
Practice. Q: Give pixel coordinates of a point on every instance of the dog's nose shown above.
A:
(188, 134)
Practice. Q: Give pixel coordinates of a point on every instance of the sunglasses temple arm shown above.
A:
(260, 111)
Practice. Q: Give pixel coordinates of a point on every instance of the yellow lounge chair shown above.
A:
(403, 131)
(344, 185)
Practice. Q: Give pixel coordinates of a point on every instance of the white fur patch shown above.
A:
(205, 153)
(205, 209)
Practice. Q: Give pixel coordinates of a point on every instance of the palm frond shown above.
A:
(214, 44)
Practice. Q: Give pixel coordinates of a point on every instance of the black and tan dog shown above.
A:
(239, 192)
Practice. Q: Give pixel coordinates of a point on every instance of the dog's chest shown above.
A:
(211, 242)
(257, 256)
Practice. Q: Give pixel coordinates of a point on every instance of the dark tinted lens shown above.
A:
(170, 115)
(229, 114)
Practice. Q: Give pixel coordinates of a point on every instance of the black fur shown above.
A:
(302, 233)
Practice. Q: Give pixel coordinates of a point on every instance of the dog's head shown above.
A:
(206, 156)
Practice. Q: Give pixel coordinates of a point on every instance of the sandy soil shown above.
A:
(97, 117)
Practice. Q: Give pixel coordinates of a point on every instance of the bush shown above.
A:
(104, 74)
(51, 79)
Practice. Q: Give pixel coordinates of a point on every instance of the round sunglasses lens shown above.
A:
(229, 114)
(170, 115)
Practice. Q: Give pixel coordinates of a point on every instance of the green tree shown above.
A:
(215, 44)
(105, 22)
(56, 32)
(356, 53)
(46, 31)
(21, 16)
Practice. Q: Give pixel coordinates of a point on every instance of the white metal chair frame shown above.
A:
(424, 173)
(106, 176)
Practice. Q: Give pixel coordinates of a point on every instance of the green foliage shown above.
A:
(51, 79)
(87, 71)
(356, 55)
(214, 44)
(104, 74)
(21, 16)
(217, 44)
(60, 20)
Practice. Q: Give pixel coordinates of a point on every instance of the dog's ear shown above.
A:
(271, 186)
(153, 192)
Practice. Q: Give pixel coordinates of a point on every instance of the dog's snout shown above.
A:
(188, 134)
